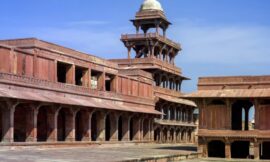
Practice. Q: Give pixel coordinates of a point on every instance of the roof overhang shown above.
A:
(231, 93)
(177, 100)
(73, 101)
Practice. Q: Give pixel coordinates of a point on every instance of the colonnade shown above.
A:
(42, 122)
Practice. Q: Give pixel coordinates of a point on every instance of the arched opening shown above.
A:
(178, 136)
(146, 129)
(183, 135)
(131, 128)
(240, 115)
(164, 82)
(64, 126)
(94, 130)
(216, 149)
(23, 122)
(165, 135)
(108, 128)
(157, 135)
(61, 125)
(264, 150)
(42, 124)
(120, 128)
(240, 149)
(81, 125)
(172, 135)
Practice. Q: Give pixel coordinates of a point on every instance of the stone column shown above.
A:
(256, 150)
(126, 128)
(52, 124)
(137, 129)
(86, 121)
(70, 126)
(114, 127)
(101, 126)
(8, 123)
(31, 124)
(228, 150)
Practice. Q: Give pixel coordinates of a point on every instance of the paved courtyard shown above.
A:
(222, 160)
(102, 153)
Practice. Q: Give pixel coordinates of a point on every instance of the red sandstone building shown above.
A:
(225, 106)
(50, 93)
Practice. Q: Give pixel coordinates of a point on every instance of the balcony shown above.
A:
(29, 82)
(165, 91)
(148, 63)
(175, 123)
(127, 37)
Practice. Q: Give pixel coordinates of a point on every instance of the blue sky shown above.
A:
(224, 37)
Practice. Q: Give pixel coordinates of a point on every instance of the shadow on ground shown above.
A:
(180, 148)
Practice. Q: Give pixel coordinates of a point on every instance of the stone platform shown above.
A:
(94, 153)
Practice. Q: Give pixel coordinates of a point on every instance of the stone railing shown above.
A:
(166, 91)
(68, 88)
(153, 36)
(175, 122)
(149, 61)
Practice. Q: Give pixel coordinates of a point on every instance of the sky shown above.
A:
(218, 37)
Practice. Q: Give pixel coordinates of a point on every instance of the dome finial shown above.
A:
(151, 5)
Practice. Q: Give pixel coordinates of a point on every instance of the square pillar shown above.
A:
(256, 150)
(52, 126)
(101, 126)
(70, 127)
(228, 150)
(8, 124)
(31, 125)
(125, 129)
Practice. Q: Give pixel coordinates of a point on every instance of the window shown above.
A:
(109, 82)
(64, 72)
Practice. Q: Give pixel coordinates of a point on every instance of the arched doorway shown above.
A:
(64, 124)
(131, 129)
(171, 135)
(108, 128)
(240, 114)
(146, 129)
(240, 149)
(216, 149)
(42, 124)
(23, 123)
(165, 135)
(157, 135)
(82, 125)
(94, 130)
(120, 128)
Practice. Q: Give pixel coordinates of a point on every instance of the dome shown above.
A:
(151, 5)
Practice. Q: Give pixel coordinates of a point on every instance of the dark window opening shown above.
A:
(109, 81)
(80, 76)
(63, 72)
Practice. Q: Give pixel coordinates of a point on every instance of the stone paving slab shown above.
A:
(101, 153)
